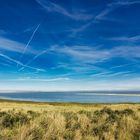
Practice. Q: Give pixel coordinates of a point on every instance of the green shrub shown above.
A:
(69, 135)
(89, 114)
(32, 114)
(2, 114)
(13, 119)
(112, 118)
(100, 130)
(44, 123)
(127, 112)
(71, 121)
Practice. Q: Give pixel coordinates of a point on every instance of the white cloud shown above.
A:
(112, 74)
(83, 53)
(102, 15)
(53, 7)
(10, 45)
(126, 2)
(13, 46)
(126, 38)
(99, 16)
(128, 52)
(92, 54)
(122, 65)
(77, 68)
(29, 79)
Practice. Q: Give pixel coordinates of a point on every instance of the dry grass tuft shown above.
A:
(69, 122)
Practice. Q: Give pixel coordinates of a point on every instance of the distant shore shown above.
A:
(74, 97)
(61, 103)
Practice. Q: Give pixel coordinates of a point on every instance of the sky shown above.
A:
(54, 45)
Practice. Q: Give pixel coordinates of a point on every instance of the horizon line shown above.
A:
(89, 91)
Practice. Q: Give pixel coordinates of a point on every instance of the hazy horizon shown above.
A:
(80, 91)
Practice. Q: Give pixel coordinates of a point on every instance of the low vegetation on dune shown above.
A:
(66, 123)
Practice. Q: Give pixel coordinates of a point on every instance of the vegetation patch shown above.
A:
(76, 122)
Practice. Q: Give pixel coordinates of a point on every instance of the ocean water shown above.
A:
(79, 97)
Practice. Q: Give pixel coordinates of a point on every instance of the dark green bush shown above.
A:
(32, 114)
(98, 131)
(44, 124)
(71, 121)
(112, 118)
(107, 111)
(2, 114)
(13, 119)
(69, 135)
(89, 114)
(127, 112)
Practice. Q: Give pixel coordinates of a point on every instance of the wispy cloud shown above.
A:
(99, 16)
(53, 7)
(126, 51)
(120, 66)
(77, 68)
(29, 79)
(126, 2)
(94, 55)
(122, 73)
(107, 74)
(83, 53)
(12, 46)
(101, 73)
(8, 45)
(126, 38)
(102, 15)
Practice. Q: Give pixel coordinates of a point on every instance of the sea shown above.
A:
(74, 97)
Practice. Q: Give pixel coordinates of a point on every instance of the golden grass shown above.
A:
(67, 121)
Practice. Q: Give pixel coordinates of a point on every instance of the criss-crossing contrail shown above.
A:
(18, 62)
(34, 58)
(29, 41)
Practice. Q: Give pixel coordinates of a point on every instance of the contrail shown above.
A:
(35, 57)
(18, 62)
(31, 38)
(29, 41)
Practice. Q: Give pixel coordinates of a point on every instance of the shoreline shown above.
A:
(64, 103)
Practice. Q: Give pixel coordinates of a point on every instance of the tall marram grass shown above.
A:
(100, 124)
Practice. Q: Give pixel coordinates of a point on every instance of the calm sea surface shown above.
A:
(80, 97)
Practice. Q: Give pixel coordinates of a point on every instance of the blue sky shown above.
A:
(70, 45)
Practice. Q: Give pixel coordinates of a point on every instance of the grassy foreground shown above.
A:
(60, 121)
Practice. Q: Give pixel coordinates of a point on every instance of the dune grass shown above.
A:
(62, 121)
